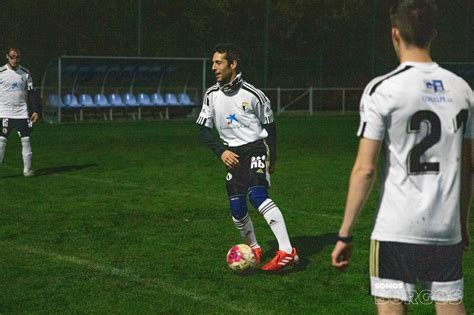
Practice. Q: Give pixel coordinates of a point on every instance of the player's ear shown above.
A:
(233, 65)
(395, 34)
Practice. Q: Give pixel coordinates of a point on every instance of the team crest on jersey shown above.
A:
(245, 106)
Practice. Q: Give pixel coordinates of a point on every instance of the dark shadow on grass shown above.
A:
(306, 246)
(56, 170)
(63, 169)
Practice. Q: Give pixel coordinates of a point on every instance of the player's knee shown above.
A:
(238, 206)
(257, 195)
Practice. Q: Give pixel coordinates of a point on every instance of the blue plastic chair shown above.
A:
(144, 100)
(70, 100)
(54, 100)
(170, 99)
(157, 99)
(129, 99)
(115, 100)
(86, 100)
(184, 99)
(100, 100)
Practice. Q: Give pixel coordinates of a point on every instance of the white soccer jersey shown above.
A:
(14, 85)
(421, 112)
(238, 117)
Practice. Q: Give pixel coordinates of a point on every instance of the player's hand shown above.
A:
(340, 255)
(34, 117)
(230, 159)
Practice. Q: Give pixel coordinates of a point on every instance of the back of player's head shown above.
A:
(231, 51)
(415, 19)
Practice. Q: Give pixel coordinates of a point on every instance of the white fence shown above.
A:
(311, 100)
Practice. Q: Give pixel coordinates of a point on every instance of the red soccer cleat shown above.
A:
(281, 259)
(257, 251)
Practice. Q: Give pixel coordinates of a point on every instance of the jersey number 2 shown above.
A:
(415, 166)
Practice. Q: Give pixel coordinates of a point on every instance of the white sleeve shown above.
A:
(372, 122)
(205, 117)
(264, 112)
(29, 83)
(263, 109)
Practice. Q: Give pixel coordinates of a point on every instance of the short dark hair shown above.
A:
(416, 21)
(232, 52)
(13, 48)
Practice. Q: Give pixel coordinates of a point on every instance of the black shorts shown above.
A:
(395, 269)
(252, 169)
(22, 126)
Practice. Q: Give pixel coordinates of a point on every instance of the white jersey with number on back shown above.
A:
(422, 112)
(237, 117)
(14, 85)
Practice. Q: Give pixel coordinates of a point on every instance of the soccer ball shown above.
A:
(241, 258)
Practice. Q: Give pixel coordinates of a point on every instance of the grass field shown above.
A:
(133, 218)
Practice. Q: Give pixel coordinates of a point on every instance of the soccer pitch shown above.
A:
(133, 218)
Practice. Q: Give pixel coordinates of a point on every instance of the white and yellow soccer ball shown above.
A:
(241, 258)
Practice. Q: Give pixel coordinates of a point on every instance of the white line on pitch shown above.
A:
(129, 275)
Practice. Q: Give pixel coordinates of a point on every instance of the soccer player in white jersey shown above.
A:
(420, 116)
(16, 91)
(244, 119)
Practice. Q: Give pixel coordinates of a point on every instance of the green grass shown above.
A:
(133, 218)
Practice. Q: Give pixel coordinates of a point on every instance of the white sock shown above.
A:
(245, 226)
(3, 144)
(27, 154)
(275, 220)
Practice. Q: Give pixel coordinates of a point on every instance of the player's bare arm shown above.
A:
(360, 185)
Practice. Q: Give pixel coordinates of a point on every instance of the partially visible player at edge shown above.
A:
(16, 92)
(421, 116)
(244, 119)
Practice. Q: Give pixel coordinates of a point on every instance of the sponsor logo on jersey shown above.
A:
(245, 106)
(233, 123)
(231, 118)
(436, 87)
(16, 86)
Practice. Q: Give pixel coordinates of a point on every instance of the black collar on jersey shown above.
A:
(233, 86)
